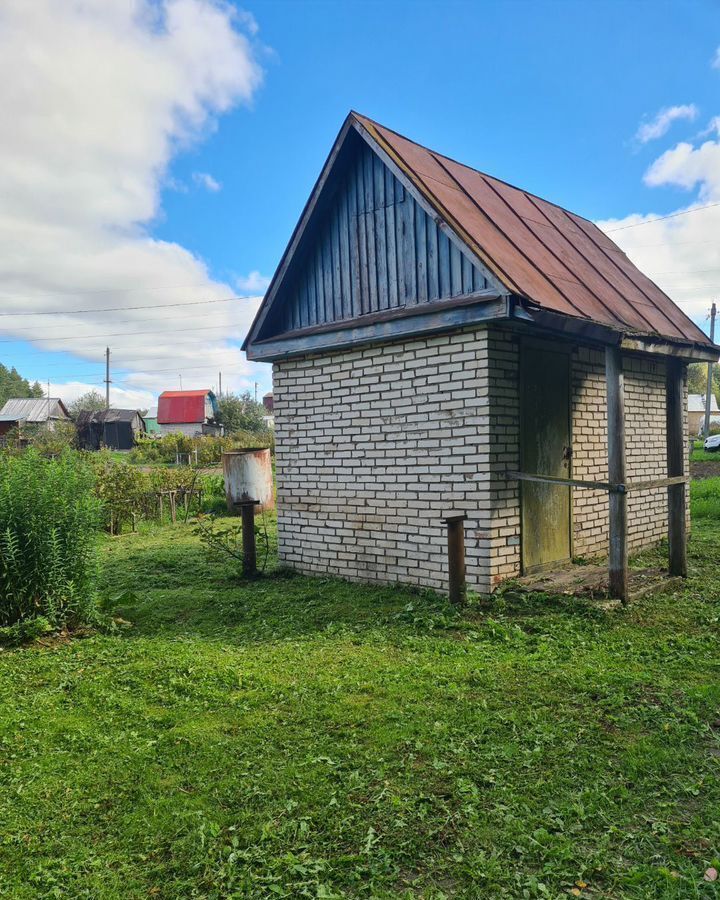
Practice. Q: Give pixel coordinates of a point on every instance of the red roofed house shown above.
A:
(445, 345)
(188, 412)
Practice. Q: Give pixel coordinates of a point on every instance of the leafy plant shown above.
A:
(226, 541)
(49, 517)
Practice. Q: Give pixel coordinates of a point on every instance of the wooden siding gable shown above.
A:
(368, 244)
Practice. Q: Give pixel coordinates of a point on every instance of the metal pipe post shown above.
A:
(247, 512)
(457, 588)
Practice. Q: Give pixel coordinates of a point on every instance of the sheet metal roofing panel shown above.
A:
(555, 258)
(34, 409)
(176, 407)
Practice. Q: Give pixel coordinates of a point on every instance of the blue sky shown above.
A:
(549, 96)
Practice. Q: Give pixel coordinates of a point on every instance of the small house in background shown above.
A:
(19, 412)
(268, 418)
(696, 412)
(112, 428)
(188, 412)
(151, 422)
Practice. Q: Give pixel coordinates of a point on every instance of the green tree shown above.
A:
(697, 379)
(90, 401)
(12, 384)
(239, 412)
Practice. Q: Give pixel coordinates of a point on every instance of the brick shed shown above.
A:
(444, 343)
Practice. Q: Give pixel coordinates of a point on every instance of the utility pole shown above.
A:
(256, 387)
(180, 377)
(708, 393)
(107, 378)
(220, 384)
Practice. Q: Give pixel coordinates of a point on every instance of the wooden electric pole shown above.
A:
(107, 378)
(708, 393)
(219, 384)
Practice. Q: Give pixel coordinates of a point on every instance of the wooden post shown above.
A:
(618, 564)
(675, 435)
(456, 558)
(247, 511)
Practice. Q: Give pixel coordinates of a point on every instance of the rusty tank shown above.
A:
(248, 474)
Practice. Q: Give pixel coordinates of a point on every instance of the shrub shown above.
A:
(203, 450)
(49, 517)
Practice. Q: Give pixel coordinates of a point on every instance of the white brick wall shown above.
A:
(375, 445)
(645, 449)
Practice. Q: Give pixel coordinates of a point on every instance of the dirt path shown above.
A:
(705, 469)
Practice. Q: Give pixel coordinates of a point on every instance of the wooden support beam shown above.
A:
(675, 433)
(616, 472)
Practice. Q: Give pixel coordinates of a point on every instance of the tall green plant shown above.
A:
(49, 517)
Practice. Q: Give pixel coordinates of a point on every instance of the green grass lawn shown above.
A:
(298, 737)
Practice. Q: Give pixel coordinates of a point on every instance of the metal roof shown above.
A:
(696, 403)
(183, 407)
(34, 409)
(107, 415)
(200, 393)
(555, 258)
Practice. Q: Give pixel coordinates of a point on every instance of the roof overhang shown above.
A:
(391, 325)
(593, 332)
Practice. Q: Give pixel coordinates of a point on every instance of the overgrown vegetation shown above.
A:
(49, 518)
(203, 450)
(705, 499)
(298, 737)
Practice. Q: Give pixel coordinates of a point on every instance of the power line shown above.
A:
(86, 337)
(192, 315)
(77, 312)
(685, 212)
(73, 291)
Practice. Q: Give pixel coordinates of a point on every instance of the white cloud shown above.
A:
(205, 180)
(688, 167)
(254, 283)
(101, 95)
(682, 253)
(716, 59)
(660, 125)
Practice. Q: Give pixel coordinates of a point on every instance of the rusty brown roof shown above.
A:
(559, 260)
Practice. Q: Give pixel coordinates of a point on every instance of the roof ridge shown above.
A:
(458, 162)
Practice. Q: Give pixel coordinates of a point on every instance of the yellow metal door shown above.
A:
(545, 450)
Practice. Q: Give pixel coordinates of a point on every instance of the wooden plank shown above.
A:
(618, 563)
(406, 242)
(326, 249)
(354, 226)
(690, 353)
(390, 232)
(345, 260)
(433, 275)
(394, 324)
(467, 275)
(552, 479)
(379, 229)
(675, 434)
(337, 268)
(455, 271)
(600, 485)
(655, 483)
(369, 183)
(421, 255)
(443, 265)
